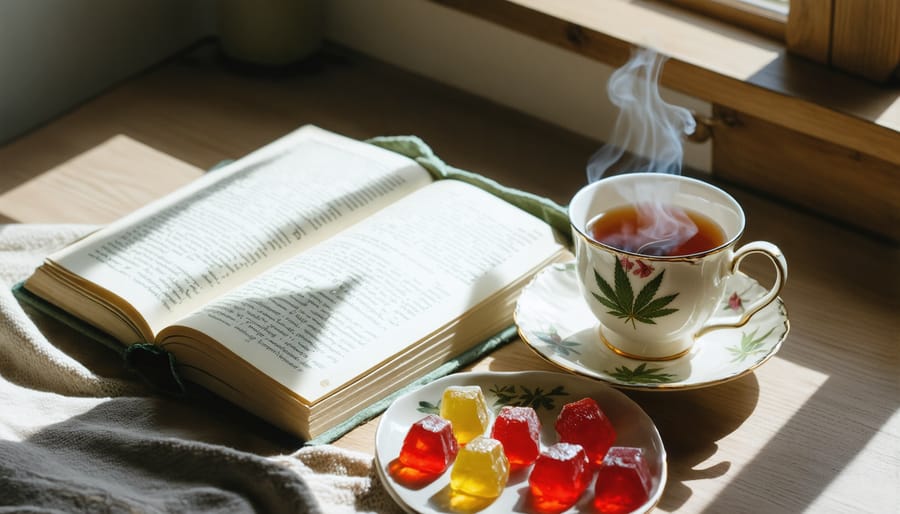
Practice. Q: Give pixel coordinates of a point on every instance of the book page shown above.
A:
(324, 317)
(173, 256)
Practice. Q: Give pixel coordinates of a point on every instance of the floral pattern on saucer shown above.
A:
(556, 323)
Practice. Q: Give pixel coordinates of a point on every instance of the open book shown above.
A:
(308, 279)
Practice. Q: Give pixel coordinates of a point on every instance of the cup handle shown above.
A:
(774, 254)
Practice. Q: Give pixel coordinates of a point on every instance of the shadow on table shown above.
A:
(824, 436)
(690, 423)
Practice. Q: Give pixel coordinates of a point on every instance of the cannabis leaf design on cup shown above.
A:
(622, 301)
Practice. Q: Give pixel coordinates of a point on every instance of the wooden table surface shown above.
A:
(814, 429)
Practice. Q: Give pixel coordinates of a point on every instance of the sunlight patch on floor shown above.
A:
(99, 185)
(873, 473)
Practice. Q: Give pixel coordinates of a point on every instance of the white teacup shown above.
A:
(650, 307)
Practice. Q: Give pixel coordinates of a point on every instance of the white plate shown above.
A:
(547, 392)
(555, 321)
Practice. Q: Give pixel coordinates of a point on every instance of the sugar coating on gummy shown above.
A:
(560, 475)
(429, 445)
(519, 429)
(583, 423)
(481, 469)
(466, 409)
(623, 481)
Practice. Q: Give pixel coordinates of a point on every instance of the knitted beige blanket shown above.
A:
(77, 433)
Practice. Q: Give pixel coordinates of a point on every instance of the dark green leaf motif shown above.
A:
(429, 408)
(516, 396)
(623, 304)
(641, 375)
(505, 394)
(750, 345)
(535, 398)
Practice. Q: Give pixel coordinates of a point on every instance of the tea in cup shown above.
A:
(654, 253)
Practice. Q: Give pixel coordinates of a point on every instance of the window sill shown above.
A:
(784, 126)
(716, 62)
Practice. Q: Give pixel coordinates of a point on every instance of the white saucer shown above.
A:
(555, 321)
(547, 392)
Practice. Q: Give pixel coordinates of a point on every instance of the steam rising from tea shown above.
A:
(647, 137)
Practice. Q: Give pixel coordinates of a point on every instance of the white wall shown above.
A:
(56, 53)
(509, 68)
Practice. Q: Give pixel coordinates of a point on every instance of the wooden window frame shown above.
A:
(838, 135)
(759, 19)
(858, 37)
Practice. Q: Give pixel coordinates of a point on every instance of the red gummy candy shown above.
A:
(519, 429)
(560, 475)
(623, 481)
(583, 423)
(429, 445)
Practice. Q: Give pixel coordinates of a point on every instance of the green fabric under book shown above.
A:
(158, 367)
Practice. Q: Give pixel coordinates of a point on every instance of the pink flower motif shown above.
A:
(627, 264)
(644, 270)
(735, 303)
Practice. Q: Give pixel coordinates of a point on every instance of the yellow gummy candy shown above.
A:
(466, 410)
(481, 469)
